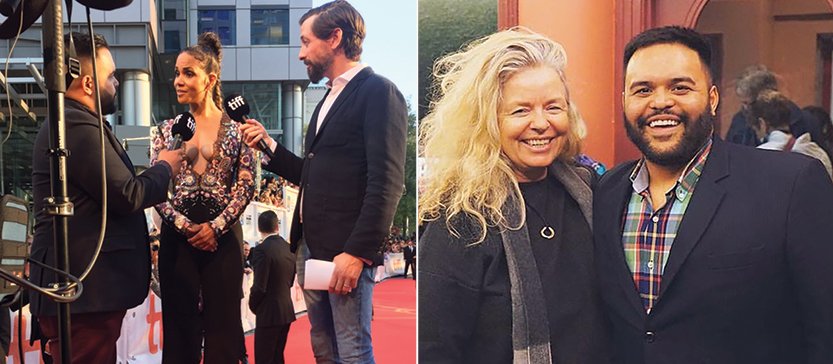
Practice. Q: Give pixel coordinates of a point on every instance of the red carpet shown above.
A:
(393, 328)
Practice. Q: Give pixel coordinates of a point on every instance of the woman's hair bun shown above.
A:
(211, 41)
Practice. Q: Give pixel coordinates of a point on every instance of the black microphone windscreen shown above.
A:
(236, 107)
(7, 7)
(32, 10)
(184, 126)
(105, 4)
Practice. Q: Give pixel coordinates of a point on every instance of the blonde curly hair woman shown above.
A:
(506, 270)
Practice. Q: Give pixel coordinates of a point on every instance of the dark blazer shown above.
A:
(274, 269)
(748, 276)
(121, 276)
(353, 171)
(408, 254)
(465, 304)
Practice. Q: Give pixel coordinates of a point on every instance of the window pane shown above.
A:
(270, 26)
(221, 22)
(225, 35)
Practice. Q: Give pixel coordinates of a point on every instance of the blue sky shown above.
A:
(390, 46)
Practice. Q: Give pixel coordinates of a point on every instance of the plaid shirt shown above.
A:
(647, 235)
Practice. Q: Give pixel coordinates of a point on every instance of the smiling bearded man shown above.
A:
(706, 251)
(695, 135)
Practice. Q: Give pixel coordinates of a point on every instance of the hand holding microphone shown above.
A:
(238, 110)
(182, 130)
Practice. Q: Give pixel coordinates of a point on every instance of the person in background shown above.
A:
(154, 261)
(751, 82)
(506, 260)
(769, 116)
(271, 300)
(826, 125)
(410, 258)
(247, 266)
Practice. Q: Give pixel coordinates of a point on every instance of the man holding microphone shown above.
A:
(121, 276)
(350, 177)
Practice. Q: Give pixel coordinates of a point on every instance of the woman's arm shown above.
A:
(166, 211)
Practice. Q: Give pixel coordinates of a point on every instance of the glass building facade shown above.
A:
(260, 62)
(270, 26)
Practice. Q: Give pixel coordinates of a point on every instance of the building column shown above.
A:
(136, 108)
(292, 121)
(591, 76)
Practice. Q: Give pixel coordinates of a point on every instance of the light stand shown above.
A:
(58, 205)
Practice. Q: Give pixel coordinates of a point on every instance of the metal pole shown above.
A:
(58, 205)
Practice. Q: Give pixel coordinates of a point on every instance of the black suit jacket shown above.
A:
(121, 276)
(274, 268)
(353, 170)
(748, 279)
(408, 254)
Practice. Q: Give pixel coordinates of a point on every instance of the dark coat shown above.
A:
(748, 276)
(408, 254)
(274, 269)
(121, 276)
(353, 171)
(465, 306)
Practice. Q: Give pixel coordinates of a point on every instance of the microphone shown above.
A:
(7, 7)
(32, 10)
(183, 129)
(238, 110)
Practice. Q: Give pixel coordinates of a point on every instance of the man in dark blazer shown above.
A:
(121, 276)
(271, 300)
(707, 251)
(409, 252)
(351, 178)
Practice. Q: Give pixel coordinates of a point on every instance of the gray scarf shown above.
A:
(530, 325)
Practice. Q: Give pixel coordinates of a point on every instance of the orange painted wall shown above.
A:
(745, 26)
(586, 30)
(751, 35)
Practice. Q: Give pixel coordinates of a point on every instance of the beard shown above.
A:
(316, 70)
(695, 134)
(108, 104)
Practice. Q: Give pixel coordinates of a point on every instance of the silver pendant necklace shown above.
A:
(547, 232)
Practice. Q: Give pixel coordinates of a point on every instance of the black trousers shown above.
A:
(269, 344)
(187, 274)
(412, 264)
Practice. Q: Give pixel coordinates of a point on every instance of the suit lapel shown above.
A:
(345, 93)
(108, 134)
(702, 207)
(122, 153)
(611, 228)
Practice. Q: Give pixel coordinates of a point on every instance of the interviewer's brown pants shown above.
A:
(93, 336)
